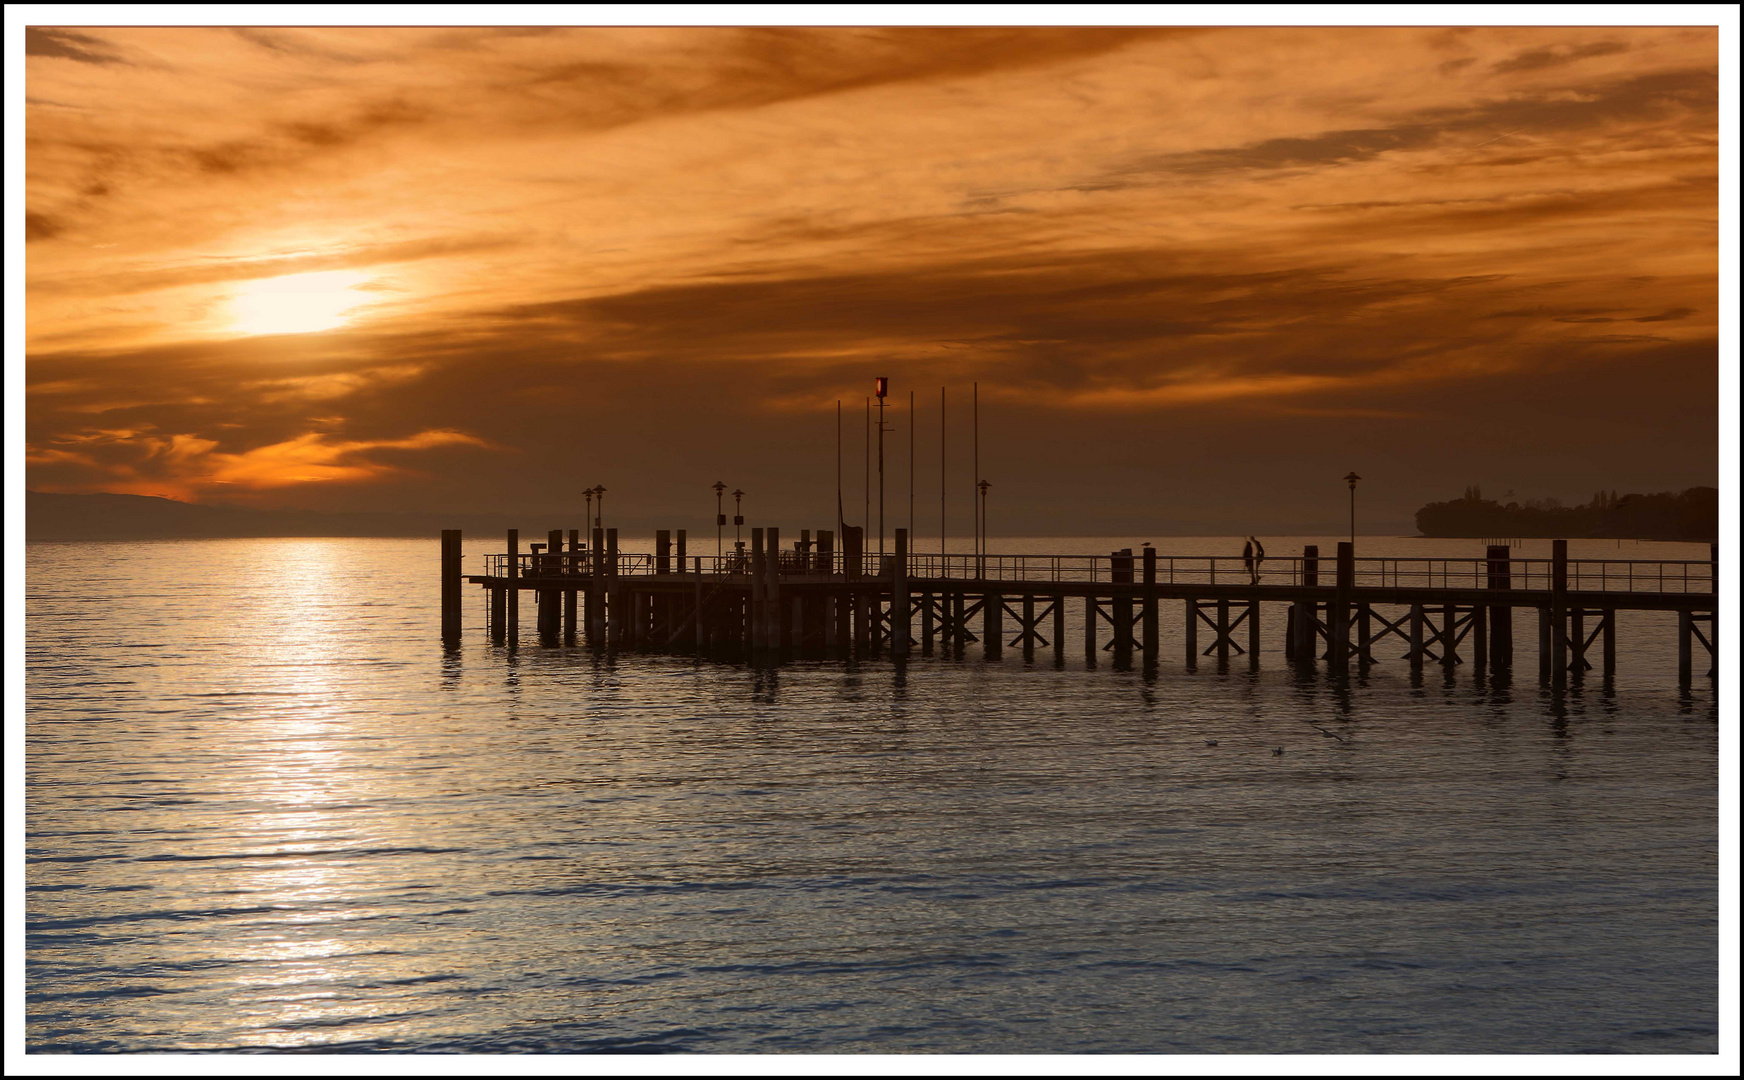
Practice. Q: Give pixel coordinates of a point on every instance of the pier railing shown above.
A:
(1584, 575)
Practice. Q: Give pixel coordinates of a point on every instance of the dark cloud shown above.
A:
(41, 227)
(1556, 55)
(1636, 99)
(68, 45)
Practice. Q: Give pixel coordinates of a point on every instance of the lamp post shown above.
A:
(880, 388)
(589, 518)
(1351, 479)
(981, 563)
(720, 519)
(599, 493)
(738, 518)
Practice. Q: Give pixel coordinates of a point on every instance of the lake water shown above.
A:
(267, 812)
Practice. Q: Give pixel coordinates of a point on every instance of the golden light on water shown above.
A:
(297, 303)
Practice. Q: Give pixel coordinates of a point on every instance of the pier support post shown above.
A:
(1480, 635)
(1090, 631)
(1577, 642)
(759, 578)
(775, 634)
(1340, 621)
(1253, 634)
(499, 600)
(571, 568)
(1685, 632)
(514, 588)
(1610, 642)
(663, 551)
(615, 613)
(1029, 634)
(551, 597)
(1120, 606)
(1192, 610)
(1059, 629)
(1290, 631)
(1222, 631)
(451, 587)
(1308, 611)
(1543, 644)
(1501, 576)
(1151, 630)
(1559, 611)
(900, 614)
(1363, 655)
(1416, 637)
(992, 633)
(596, 609)
(1449, 655)
(926, 624)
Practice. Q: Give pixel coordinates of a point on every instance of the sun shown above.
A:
(297, 303)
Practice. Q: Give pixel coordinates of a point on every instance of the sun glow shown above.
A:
(297, 303)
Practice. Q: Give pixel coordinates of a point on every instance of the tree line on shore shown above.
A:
(1693, 514)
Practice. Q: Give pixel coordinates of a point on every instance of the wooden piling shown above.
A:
(992, 633)
(759, 627)
(1416, 653)
(1558, 610)
(1501, 616)
(680, 553)
(1340, 619)
(1363, 655)
(616, 616)
(900, 614)
(551, 597)
(499, 600)
(1192, 634)
(571, 567)
(1544, 655)
(1029, 619)
(1449, 656)
(1120, 606)
(663, 551)
(775, 634)
(1222, 631)
(1480, 635)
(514, 620)
(1090, 631)
(1685, 634)
(596, 579)
(1577, 641)
(1253, 634)
(1610, 642)
(1152, 631)
(451, 587)
(1059, 601)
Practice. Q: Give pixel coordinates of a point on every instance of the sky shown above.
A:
(1194, 275)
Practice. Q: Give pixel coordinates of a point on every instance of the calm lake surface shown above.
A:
(267, 812)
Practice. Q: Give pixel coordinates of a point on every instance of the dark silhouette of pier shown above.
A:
(813, 601)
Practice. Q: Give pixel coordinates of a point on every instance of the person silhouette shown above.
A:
(1259, 556)
(1247, 557)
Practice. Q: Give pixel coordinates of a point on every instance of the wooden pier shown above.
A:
(811, 600)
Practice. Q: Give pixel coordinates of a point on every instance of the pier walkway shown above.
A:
(813, 600)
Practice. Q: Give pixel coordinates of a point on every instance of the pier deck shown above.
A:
(813, 600)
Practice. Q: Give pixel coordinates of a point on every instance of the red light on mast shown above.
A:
(881, 385)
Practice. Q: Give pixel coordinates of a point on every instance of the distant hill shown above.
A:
(1691, 515)
(49, 516)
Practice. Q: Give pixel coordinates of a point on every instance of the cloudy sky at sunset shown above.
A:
(1199, 273)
